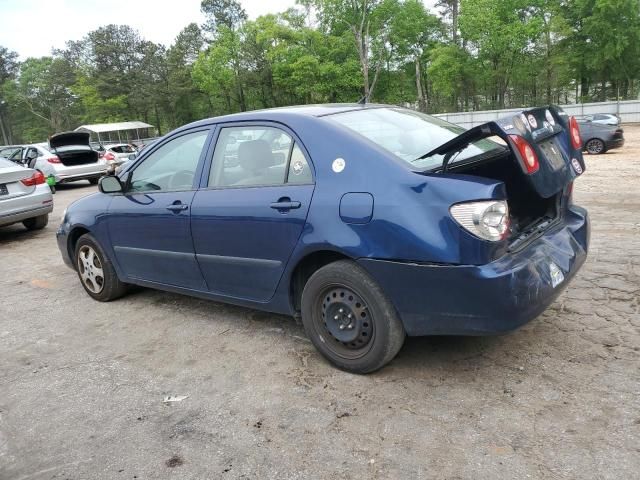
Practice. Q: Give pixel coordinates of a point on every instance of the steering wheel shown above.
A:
(181, 179)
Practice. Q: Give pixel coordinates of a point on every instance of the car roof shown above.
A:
(319, 110)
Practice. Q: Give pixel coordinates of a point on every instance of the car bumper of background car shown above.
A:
(29, 206)
(485, 299)
(615, 143)
(62, 178)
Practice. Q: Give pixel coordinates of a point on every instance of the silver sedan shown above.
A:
(24, 196)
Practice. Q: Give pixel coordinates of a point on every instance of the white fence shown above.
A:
(629, 112)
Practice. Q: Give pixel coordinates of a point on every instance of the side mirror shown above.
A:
(133, 156)
(110, 184)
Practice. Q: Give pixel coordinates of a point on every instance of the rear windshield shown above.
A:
(409, 134)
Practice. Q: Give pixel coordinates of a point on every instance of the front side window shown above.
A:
(408, 134)
(171, 167)
(250, 156)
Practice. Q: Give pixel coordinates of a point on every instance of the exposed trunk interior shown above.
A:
(77, 157)
(527, 209)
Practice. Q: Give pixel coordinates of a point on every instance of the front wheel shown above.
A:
(93, 181)
(349, 319)
(96, 272)
(595, 146)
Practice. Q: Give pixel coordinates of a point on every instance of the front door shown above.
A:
(248, 218)
(149, 225)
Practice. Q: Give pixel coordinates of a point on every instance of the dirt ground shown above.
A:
(82, 383)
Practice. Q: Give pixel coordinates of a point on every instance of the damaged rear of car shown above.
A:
(511, 239)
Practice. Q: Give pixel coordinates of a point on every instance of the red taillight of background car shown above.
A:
(109, 156)
(35, 179)
(53, 159)
(527, 153)
(574, 133)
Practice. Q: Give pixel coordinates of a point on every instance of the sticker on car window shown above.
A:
(297, 167)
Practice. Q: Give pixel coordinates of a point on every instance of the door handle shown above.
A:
(285, 204)
(177, 207)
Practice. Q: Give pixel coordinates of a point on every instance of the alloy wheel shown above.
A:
(595, 146)
(90, 269)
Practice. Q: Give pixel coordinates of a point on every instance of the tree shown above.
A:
(8, 70)
(412, 29)
(368, 22)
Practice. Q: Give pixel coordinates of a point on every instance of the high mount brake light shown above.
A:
(527, 153)
(574, 133)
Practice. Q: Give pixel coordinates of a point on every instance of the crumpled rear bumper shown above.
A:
(485, 299)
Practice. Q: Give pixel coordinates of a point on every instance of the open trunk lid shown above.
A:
(72, 148)
(546, 130)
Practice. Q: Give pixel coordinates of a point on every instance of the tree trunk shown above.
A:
(455, 6)
(422, 101)
(5, 136)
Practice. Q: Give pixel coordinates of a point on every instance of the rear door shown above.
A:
(149, 225)
(249, 214)
(547, 131)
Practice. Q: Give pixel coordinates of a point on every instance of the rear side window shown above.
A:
(252, 156)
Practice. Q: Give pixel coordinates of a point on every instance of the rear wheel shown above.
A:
(93, 181)
(595, 146)
(36, 223)
(348, 318)
(96, 272)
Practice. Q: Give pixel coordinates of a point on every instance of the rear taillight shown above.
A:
(109, 156)
(574, 133)
(35, 179)
(488, 220)
(53, 159)
(527, 153)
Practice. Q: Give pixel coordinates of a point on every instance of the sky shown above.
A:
(33, 27)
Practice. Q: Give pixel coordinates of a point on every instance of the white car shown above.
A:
(67, 158)
(117, 154)
(603, 118)
(24, 196)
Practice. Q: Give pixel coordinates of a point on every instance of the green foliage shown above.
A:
(468, 54)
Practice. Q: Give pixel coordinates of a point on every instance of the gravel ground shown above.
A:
(82, 383)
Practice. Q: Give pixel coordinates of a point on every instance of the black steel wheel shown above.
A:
(346, 321)
(349, 319)
(595, 146)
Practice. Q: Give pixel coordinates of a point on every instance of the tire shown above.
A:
(349, 319)
(36, 223)
(53, 188)
(95, 270)
(93, 181)
(595, 146)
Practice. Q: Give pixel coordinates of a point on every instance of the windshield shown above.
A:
(409, 134)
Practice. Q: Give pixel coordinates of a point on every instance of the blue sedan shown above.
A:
(370, 222)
